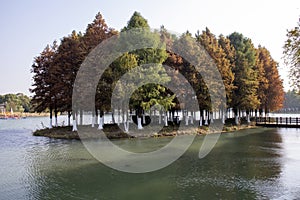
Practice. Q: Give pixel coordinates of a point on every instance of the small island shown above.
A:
(243, 78)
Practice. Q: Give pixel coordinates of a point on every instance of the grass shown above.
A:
(112, 131)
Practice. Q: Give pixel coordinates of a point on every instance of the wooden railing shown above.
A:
(282, 121)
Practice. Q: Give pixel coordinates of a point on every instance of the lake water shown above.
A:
(250, 164)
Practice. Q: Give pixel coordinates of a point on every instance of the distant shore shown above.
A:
(23, 114)
(19, 115)
(112, 131)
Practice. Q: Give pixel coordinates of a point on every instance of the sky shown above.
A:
(26, 27)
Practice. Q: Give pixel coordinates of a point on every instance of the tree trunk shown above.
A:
(211, 114)
(144, 118)
(55, 115)
(50, 125)
(126, 121)
(81, 116)
(223, 113)
(236, 117)
(113, 117)
(248, 116)
(192, 117)
(206, 117)
(93, 118)
(159, 117)
(101, 120)
(74, 113)
(96, 116)
(139, 118)
(187, 118)
(166, 118)
(69, 118)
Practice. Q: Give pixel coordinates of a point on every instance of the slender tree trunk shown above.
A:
(223, 115)
(159, 117)
(144, 118)
(211, 117)
(96, 116)
(118, 118)
(201, 118)
(113, 117)
(81, 117)
(74, 113)
(93, 118)
(101, 120)
(187, 118)
(166, 118)
(236, 111)
(50, 125)
(139, 118)
(206, 117)
(192, 117)
(55, 114)
(69, 118)
(126, 121)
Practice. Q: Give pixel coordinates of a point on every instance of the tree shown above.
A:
(67, 60)
(245, 95)
(43, 97)
(270, 91)
(218, 54)
(291, 51)
(16, 102)
(149, 94)
(136, 21)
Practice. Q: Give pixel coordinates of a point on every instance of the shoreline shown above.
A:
(112, 131)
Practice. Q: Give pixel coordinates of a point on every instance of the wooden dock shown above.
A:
(286, 122)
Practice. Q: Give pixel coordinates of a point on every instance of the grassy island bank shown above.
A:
(112, 131)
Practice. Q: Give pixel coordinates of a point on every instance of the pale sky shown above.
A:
(28, 26)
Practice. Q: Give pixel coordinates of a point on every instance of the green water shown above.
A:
(249, 164)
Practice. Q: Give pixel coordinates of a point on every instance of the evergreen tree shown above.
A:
(150, 94)
(245, 95)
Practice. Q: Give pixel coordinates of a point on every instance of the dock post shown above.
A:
(280, 120)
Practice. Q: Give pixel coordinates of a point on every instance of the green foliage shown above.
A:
(16, 102)
(150, 94)
(246, 76)
(136, 21)
(292, 55)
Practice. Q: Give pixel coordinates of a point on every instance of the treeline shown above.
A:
(249, 74)
(16, 102)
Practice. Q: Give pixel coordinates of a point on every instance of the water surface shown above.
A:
(249, 164)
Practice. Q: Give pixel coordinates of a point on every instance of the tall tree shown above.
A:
(44, 97)
(150, 94)
(217, 53)
(270, 92)
(70, 55)
(245, 95)
(292, 55)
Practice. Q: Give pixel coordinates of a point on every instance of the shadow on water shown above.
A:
(243, 165)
